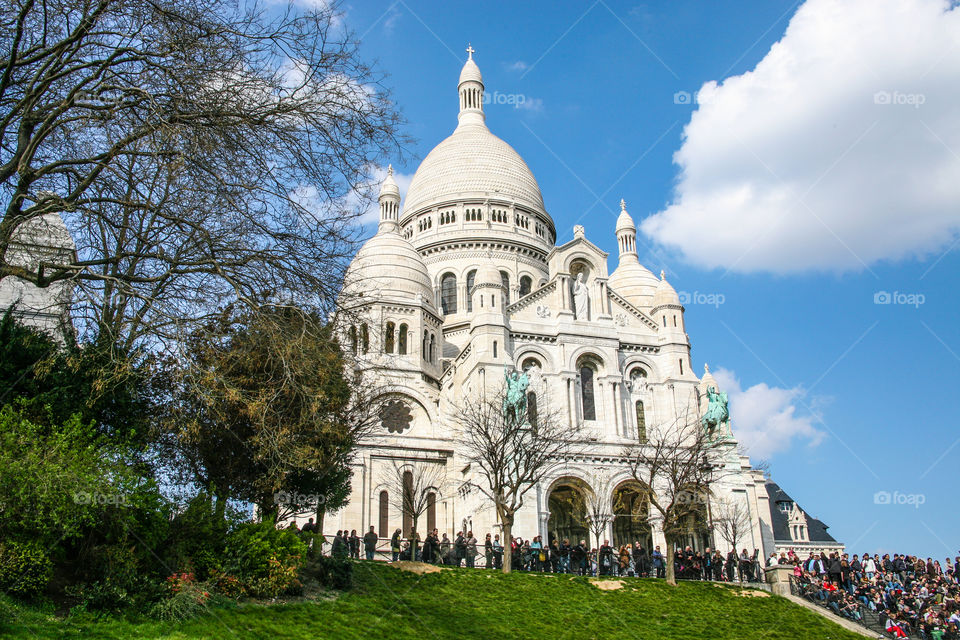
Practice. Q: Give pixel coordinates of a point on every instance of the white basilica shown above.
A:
(465, 281)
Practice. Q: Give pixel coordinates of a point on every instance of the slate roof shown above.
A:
(816, 529)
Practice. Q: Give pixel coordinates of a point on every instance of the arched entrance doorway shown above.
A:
(631, 512)
(568, 511)
(697, 528)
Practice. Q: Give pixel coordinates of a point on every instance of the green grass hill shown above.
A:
(396, 604)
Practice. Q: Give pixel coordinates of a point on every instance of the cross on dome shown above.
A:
(470, 51)
(623, 204)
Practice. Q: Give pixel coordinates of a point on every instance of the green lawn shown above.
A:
(464, 603)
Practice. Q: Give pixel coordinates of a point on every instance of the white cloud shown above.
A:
(531, 104)
(766, 420)
(519, 65)
(839, 150)
(391, 20)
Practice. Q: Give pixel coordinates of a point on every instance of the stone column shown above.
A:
(572, 400)
(656, 531)
(616, 407)
(544, 524)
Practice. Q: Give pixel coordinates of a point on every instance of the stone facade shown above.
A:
(464, 283)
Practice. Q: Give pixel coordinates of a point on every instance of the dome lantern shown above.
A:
(389, 202)
(470, 88)
(626, 235)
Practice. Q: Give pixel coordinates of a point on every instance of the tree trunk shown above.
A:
(507, 546)
(668, 563)
(413, 540)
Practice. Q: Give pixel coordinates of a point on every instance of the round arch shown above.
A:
(631, 513)
(584, 257)
(533, 351)
(567, 501)
(636, 360)
(573, 360)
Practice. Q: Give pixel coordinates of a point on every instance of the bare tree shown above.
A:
(675, 468)
(510, 455)
(412, 488)
(199, 151)
(598, 516)
(731, 519)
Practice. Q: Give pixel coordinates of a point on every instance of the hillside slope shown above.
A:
(461, 603)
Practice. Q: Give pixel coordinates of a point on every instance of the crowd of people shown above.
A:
(556, 556)
(910, 597)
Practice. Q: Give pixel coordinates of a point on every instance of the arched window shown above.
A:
(407, 502)
(402, 340)
(426, 345)
(526, 284)
(641, 423)
(433, 348)
(494, 348)
(384, 515)
(532, 409)
(431, 511)
(505, 281)
(353, 339)
(586, 393)
(471, 276)
(389, 339)
(448, 293)
(364, 338)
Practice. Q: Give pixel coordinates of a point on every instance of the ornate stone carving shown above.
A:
(581, 298)
(621, 320)
(543, 311)
(396, 417)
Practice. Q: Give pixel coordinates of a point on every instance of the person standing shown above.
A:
(354, 545)
(471, 549)
(731, 566)
(717, 564)
(536, 553)
(658, 563)
(488, 551)
(497, 552)
(459, 549)
(395, 545)
(370, 539)
(578, 558)
(565, 556)
(445, 549)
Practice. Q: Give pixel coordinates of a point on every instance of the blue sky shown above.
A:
(819, 168)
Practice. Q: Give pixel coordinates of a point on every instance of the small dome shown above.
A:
(389, 186)
(634, 282)
(624, 221)
(665, 294)
(470, 72)
(487, 273)
(708, 380)
(388, 266)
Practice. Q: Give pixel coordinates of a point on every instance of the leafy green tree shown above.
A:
(265, 413)
(52, 381)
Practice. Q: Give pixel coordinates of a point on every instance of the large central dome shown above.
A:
(472, 162)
